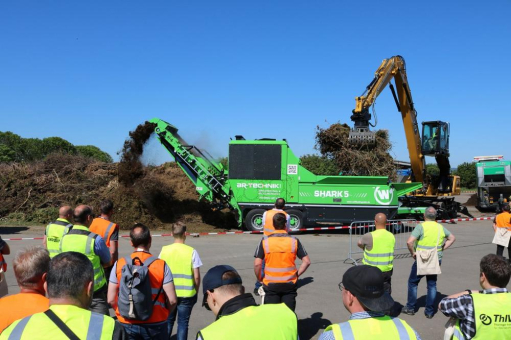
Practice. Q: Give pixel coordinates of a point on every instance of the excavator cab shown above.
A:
(435, 138)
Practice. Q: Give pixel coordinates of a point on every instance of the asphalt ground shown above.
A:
(319, 300)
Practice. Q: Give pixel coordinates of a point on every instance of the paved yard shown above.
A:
(319, 300)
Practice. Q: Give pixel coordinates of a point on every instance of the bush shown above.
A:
(319, 165)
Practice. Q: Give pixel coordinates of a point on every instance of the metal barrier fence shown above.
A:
(400, 228)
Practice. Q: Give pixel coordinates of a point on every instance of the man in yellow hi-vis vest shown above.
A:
(184, 263)
(378, 248)
(483, 314)
(237, 314)
(69, 285)
(364, 297)
(427, 235)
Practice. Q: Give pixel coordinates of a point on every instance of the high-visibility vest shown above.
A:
(81, 240)
(156, 276)
(103, 228)
(19, 305)
(429, 240)
(268, 221)
(379, 328)
(178, 257)
(492, 317)
(3, 263)
(85, 324)
(503, 220)
(381, 255)
(269, 322)
(279, 257)
(54, 233)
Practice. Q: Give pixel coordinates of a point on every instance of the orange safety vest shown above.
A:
(503, 220)
(3, 263)
(21, 305)
(103, 228)
(156, 275)
(268, 222)
(279, 256)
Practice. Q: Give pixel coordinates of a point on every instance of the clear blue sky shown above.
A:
(91, 71)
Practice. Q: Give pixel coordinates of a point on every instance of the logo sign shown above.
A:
(383, 196)
(485, 319)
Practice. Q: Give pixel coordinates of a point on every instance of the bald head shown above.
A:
(83, 215)
(66, 212)
(380, 221)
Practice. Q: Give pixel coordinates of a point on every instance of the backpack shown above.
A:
(135, 290)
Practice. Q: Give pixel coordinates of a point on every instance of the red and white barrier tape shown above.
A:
(260, 232)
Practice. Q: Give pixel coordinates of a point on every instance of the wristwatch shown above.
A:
(469, 291)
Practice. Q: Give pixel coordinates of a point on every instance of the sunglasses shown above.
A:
(341, 286)
(205, 299)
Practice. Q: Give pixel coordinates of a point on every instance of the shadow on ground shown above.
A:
(12, 230)
(304, 281)
(308, 328)
(421, 304)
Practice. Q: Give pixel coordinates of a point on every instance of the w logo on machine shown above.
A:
(383, 196)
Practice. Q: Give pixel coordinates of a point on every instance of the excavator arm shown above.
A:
(391, 68)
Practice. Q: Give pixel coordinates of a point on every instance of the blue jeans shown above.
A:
(183, 311)
(413, 282)
(146, 331)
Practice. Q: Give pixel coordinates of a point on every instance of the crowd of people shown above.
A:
(67, 287)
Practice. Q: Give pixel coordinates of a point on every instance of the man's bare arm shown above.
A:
(449, 242)
(196, 278)
(258, 264)
(410, 243)
(306, 262)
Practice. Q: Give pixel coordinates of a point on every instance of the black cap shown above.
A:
(213, 278)
(366, 283)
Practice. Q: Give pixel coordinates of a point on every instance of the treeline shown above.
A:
(14, 148)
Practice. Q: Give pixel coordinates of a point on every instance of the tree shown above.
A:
(468, 175)
(432, 169)
(6, 154)
(319, 165)
(94, 152)
(56, 145)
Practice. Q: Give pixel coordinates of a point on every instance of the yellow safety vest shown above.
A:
(492, 317)
(82, 240)
(268, 322)
(428, 241)
(85, 324)
(381, 255)
(379, 328)
(54, 233)
(178, 257)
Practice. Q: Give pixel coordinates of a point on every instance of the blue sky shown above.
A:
(91, 71)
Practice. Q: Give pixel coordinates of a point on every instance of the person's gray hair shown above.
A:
(430, 214)
(29, 265)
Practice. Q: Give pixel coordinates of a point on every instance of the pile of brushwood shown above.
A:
(356, 160)
(154, 195)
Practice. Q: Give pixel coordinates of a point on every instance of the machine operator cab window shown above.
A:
(435, 138)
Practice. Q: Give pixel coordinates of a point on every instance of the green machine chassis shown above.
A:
(260, 171)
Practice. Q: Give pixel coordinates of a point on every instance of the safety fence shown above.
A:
(400, 228)
(346, 227)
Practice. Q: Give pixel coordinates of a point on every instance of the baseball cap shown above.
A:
(366, 283)
(213, 279)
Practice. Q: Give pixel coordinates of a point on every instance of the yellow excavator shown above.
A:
(438, 191)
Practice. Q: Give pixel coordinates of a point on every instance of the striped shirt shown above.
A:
(462, 308)
(357, 316)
